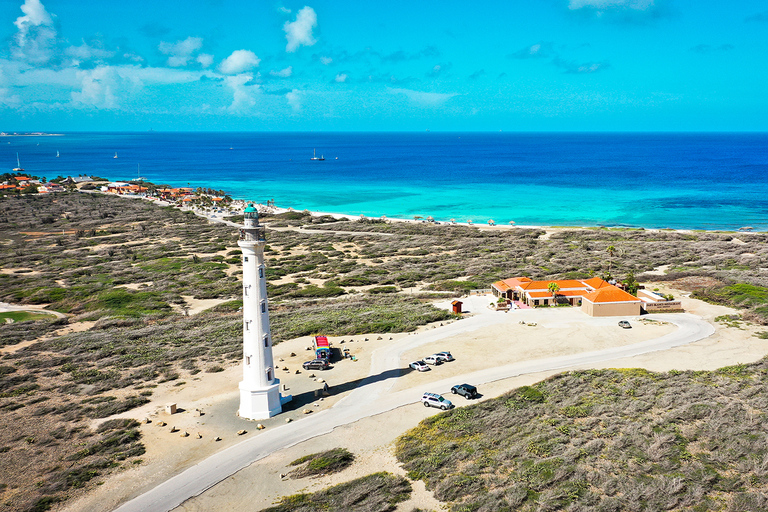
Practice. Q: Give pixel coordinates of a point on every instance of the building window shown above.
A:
(248, 325)
(269, 374)
(245, 289)
(266, 340)
(263, 306)
(245, 258)
(536, 302)
(248, 360)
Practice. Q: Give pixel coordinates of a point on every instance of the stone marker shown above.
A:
(260, 427)
(184, 434)
(174, 429)
(161, 424)
(288, 420)
(241, 432)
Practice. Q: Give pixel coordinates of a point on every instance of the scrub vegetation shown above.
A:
(379, 492)
(124, 271)
(323, 463)
(603, 440)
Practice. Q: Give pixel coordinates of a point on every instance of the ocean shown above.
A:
(649, 180)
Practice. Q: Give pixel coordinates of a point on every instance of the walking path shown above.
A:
(372, 397)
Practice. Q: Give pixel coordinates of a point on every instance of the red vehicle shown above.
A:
(322, 348)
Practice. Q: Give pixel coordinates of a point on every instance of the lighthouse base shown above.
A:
(260, 403)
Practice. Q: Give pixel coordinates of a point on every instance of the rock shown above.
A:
(293, 354)
(285, 368)
(342, 342)
(390, 338)
(283, 475)
(184, 434)
(199, 435)
(241, 432)
(288, 420)
(366, 339)
(161, 424)
(306, 411)
(297, 371)
(174, 429)
(379, 338)
(311, 375)
(259, 426)
(217, 438)
(198, 412)
(146, 421)
(319, 380)
(281, 359)
(308, 348)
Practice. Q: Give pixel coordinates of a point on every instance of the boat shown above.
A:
(315, 157)
(18, 165)
(115, 155)
(57, 154)
(138, 173)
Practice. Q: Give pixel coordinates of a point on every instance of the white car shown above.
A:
(433, 360)
(420, 366)
(435, 400)
(444, 356)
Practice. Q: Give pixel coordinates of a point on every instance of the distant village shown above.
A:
(18, 183)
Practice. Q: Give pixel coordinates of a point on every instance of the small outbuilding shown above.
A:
(456, 306)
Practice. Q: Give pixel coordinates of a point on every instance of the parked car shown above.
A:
(420, 366)
(465, 390)
(445, 356)
(624, 324)
(435, 400)
(433, 360)
(316, 364)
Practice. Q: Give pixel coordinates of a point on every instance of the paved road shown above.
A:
(371, 398)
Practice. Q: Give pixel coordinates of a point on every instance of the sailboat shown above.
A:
(115, 155)
(57, 154)
(315, 157)
(138, 173)
(18, 165)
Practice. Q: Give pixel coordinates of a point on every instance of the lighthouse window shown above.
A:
(261, 272)
(245, 258)
(269, 374)
(248, 360)
(263, 306)
(266, 341)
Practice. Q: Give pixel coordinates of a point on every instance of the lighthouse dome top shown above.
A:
(250, 209)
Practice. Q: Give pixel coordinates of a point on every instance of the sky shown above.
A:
(415, 65)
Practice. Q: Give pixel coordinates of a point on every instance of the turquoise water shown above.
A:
(682, 181)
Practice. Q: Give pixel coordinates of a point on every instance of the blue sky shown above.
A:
(335, 65)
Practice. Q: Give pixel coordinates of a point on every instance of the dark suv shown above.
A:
(316, 364)
(465, 390)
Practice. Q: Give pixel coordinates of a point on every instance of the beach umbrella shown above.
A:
(453, 221)
(469, 222)
(430, 218)
(511, 223)
(491, 223)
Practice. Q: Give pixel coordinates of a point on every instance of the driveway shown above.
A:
(371, 397)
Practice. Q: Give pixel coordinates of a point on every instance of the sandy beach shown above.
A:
(557, 332)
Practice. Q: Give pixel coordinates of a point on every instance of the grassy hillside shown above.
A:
(603, 440)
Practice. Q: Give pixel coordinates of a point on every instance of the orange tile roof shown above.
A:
(569, 293)
(610, 294)
(595, 282)
(544, 285)
(501, 286)
(217, 199)
(21, 178)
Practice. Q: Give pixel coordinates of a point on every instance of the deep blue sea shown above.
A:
(682, 181)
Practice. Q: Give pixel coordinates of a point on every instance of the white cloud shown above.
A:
(326, 60)
(294, 99)
(96, 88)
(424, 99)
(284, 10)
(242, 98)
(36, 35)
(87, 52)
(341, 78)
(299, 32)
(283, 73)
(239, 62)
(639, 5)
(205, 59)
(180, 52)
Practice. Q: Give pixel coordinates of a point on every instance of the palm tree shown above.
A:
(553, 289)
(611, 251)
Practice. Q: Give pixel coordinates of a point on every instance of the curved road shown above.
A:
(371, 398)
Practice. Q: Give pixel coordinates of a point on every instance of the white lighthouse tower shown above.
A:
(259, 390)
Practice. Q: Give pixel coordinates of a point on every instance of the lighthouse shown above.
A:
(259, 389)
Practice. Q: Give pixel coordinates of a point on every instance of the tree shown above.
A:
(631, 283)
(611, 251)
(553, 289)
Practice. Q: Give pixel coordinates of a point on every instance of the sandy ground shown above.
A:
(557, 332)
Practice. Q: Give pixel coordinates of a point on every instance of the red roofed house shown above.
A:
(595, 296)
